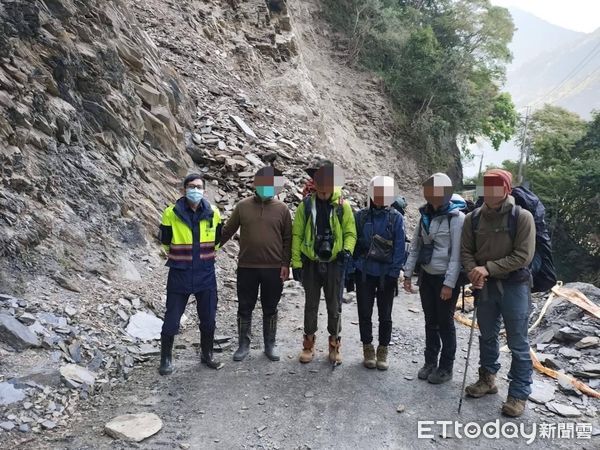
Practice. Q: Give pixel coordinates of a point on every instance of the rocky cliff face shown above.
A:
(106, 105)
(89, 116)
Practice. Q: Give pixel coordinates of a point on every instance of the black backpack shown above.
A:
(542, 266)
(339, 209)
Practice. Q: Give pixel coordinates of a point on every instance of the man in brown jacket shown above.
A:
(498, 244)
(264, 259)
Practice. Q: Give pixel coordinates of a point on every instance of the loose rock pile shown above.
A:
(568, 341)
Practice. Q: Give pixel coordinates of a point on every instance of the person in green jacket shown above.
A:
(323, 240)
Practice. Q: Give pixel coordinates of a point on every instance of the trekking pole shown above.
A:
(462, 391)
(340, 297)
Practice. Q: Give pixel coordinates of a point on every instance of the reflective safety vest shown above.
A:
(186, 244)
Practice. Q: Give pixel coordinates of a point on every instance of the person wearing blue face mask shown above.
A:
(264, 258)
(190, 233)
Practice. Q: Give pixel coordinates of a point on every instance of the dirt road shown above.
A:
(263, 404)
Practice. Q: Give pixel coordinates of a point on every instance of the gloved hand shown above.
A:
(349, 284)
(344, 256)
(297, 274)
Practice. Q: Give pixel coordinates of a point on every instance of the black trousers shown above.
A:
(439, 320)
(366, 292)
(248, 282)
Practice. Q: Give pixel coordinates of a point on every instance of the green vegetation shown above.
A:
(564, 171)
(441, 62)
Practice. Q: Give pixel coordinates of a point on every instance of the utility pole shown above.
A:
(524, 147)
(480, 168)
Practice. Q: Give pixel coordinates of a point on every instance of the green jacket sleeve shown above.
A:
(297, 236)
(348, 228)
(219, 225)
(166, 230)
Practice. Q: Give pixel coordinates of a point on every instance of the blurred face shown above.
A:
(382, 191)
(324, 193)
(327, 179)
(267, 184)
(437, 195)
(494, 191)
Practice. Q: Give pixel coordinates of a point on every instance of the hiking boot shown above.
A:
(369, 356)
(382, 352)
(269, 334)
(166, 355)
(335, 347)
(426, 370)
(308, 351)
(486, 384)
(244, 331)
(513, 407)
(440, 375)
(206, 347)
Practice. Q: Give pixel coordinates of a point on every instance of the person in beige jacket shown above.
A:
(498, 244)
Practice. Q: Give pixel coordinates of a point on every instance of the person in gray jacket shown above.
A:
(436, 247)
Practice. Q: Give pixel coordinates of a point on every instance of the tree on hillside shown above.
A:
(564, 171)
(441, 61)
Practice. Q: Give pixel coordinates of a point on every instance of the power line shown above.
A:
(578, 67)
(590, 75)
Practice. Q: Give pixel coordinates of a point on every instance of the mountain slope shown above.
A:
(568, 77)
(106, 105)
(535, 36)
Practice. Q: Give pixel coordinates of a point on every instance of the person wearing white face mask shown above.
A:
(190, 234)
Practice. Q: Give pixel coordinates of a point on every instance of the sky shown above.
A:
(577, 15)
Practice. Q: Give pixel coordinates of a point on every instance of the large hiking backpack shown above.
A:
(542, 266)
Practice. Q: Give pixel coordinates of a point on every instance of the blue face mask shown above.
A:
(265, 192)
(194, 195)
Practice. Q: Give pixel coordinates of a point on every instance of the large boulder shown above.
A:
(9, 394)
(15, 334)
(144, 326)
(74, 375)
(134, 427)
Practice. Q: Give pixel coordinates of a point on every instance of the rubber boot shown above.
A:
(335, 348)
(513, 407)
(206, 346)
(244, 332)
(382, 353)
(308, 351)
(486, 384)
(369, 356)
(270, 334)
(166, 354)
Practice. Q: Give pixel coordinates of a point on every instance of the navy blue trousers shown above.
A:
(206, 305)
